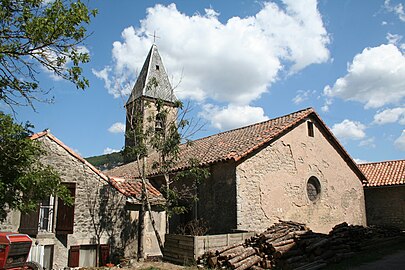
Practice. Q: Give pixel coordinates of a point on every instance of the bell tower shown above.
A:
(152, 90)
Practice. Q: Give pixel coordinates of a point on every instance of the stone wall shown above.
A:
(217, 198)
(100, 212)
(386, 206)
(272, 184)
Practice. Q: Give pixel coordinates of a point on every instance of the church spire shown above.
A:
(153, 81)
(151, 95)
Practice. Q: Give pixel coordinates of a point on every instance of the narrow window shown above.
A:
(157, 67)
(46, 214)
(313, 188)
(159, 122)
(310, 129)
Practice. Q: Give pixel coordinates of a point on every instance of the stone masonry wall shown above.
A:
(100, 212)
(217, 198)
(272, 184)
(386, 206)
(99, 209)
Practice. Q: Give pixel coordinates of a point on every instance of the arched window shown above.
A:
(313, 188)
(159, 122)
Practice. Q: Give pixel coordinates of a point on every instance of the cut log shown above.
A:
(282, 243)
(213, 261)
(247, 253)
(228, 248)
(255, 267)
(248, 262)
(229, 254)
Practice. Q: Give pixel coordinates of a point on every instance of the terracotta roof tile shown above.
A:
(133, 188)
(127, 188)
(234, 145)
(385, 173)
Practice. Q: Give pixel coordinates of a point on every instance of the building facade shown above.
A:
(99, 228)
(385, 193)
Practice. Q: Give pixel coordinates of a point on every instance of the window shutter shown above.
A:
(29, 222)
(74, 253)
(104, 254)
(65, 214)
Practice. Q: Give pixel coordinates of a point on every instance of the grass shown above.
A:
(368, 256)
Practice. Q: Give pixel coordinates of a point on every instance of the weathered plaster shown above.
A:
(271, 184)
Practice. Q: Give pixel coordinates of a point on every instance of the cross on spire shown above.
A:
(154, 37)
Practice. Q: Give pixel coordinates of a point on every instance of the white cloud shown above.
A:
(390, 116)
(52, 57)
(360, 161)
(109, 150)
(400, 141)
(326, 105)
(397, 9)
(349, 130)
(302, 96)
(233, 62)
(393, 38)
(233, 116)
(117, 128)
(375, 78)
(369, 142)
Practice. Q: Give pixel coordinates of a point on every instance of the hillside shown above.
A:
(106, 162)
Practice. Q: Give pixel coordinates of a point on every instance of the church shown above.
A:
(291, 167)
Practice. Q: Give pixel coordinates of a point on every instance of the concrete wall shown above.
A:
(100, 214)
(386, 206)
(272, 184)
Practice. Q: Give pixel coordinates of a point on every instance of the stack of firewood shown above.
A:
(291, 245)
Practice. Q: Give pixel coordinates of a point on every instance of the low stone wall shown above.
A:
(185, 249)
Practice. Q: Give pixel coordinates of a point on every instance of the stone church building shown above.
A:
(291, 167)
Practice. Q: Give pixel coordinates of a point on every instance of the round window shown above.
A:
(313, 188)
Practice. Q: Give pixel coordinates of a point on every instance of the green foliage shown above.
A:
(107, 161)
(38, 34)
(24, 181)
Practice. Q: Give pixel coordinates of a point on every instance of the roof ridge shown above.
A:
(251, 125)
(382, 161)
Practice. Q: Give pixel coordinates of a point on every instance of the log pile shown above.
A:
(292, 245)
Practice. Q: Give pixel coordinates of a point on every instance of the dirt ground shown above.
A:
(155, 265)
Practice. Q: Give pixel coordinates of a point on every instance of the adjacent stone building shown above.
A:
(385, 193)
(100, 227)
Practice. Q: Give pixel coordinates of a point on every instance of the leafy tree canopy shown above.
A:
(37, 35)
(24, 181)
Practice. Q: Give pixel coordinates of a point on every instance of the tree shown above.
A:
(24, 181)
(157, 149)
(40, 34)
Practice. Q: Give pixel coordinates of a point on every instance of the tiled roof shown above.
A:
(133, 188)
(385, 173)
(127, 188)
(236, 144)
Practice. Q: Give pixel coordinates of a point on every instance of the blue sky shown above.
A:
(240, 62)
